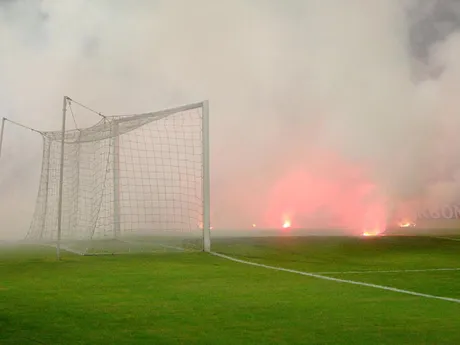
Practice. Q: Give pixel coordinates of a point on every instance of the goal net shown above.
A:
(129, 183)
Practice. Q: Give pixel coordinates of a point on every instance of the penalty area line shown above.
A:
(338, 280)
(446, 238)
(393, 271)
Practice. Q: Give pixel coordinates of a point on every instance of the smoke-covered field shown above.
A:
(328, 118)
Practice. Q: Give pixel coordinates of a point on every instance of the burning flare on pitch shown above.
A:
(406, 224)
(287, 224)
(378, 230)
(371, 233)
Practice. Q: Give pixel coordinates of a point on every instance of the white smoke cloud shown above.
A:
(285, 81)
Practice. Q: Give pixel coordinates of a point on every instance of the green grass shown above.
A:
(195, 298)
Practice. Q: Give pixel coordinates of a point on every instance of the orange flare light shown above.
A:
(406, 224)
(372, 233)
(286, 224)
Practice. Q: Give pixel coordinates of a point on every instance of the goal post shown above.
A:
(116, 182)
(129, 183)
(2, 130)
(206, 180)
(61, 178)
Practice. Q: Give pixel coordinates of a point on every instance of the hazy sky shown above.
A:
(340, 94)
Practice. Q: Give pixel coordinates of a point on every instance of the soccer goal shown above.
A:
(130, 183)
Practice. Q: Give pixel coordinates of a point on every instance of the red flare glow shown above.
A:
(330, 193)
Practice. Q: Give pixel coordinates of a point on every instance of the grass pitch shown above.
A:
(196, 298)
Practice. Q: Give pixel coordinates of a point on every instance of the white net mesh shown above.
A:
(125, 177)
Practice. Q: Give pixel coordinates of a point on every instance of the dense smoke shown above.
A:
(331, 110)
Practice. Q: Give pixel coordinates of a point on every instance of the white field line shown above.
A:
(67, 249)
(180, 249)
(77, 252)
(392, 271)
(70, 250)
(160, 244)
(337, 280)
(172, 247)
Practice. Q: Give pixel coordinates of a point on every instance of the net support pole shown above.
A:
(206, 180)
(1, 135)
(61, 180)
(116, 180)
